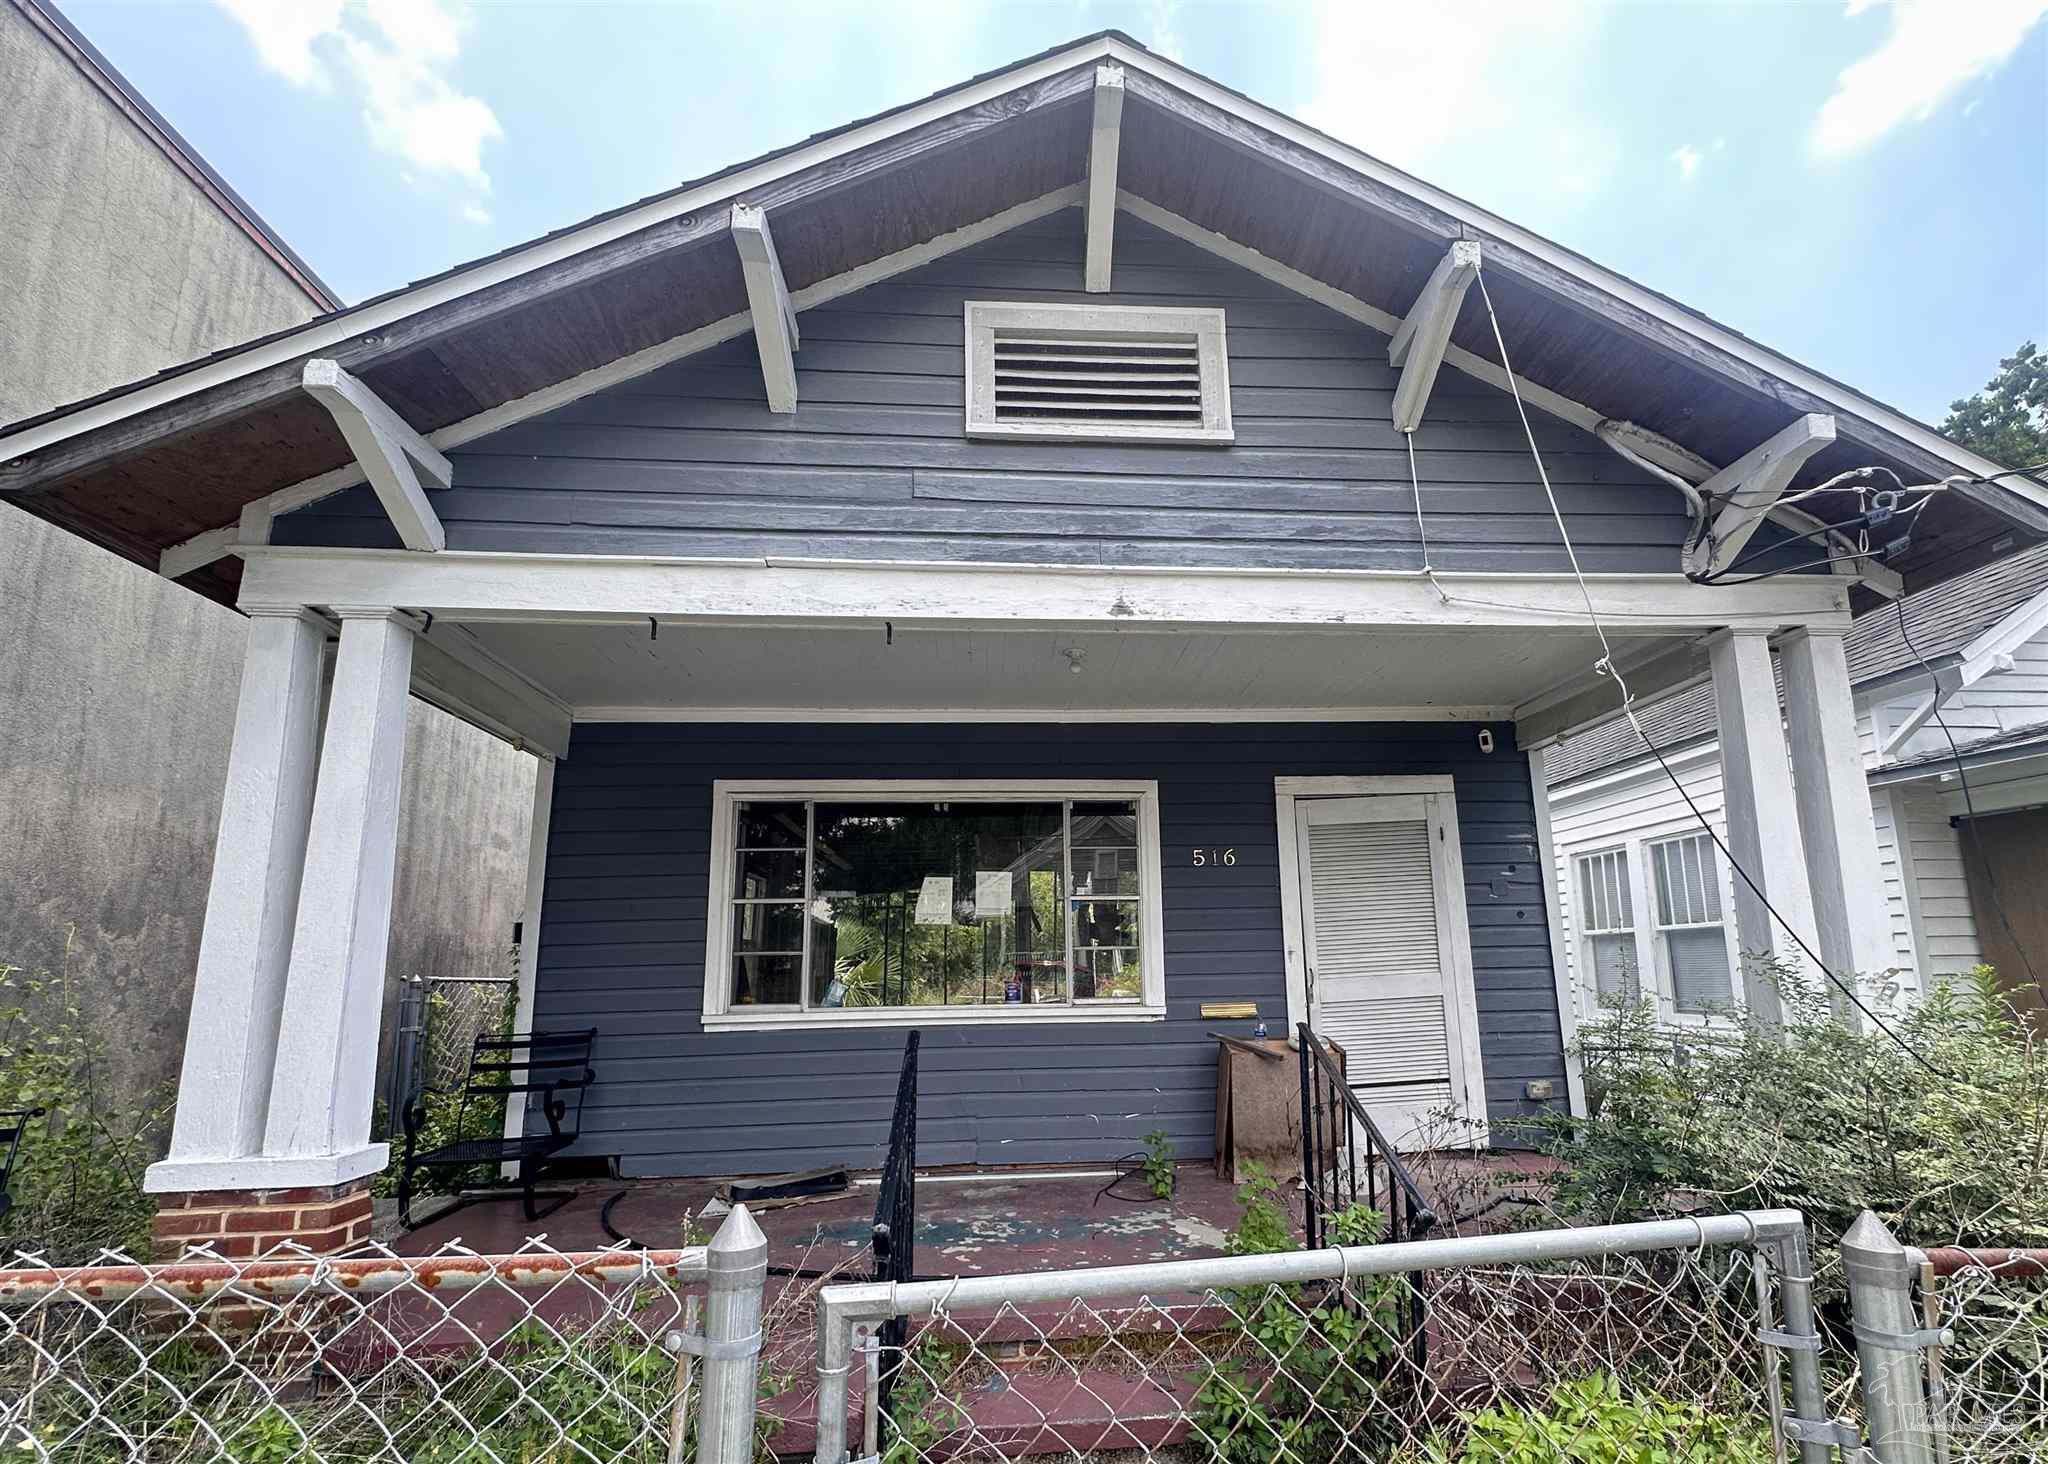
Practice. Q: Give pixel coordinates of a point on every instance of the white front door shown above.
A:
(1382, 916)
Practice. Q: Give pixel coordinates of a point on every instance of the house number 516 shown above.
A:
(1214, 856)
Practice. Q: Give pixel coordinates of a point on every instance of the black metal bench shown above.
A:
(551, 1064)
(12, 1122)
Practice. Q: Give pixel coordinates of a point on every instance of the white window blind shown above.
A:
(1607, 927)
(1097, 373)
(1691, 939)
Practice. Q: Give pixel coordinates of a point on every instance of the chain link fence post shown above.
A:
(737, 1265)
(1809, 1425)
(1888, 1343)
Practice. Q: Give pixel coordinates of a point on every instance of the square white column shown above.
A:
(251, 905)
(1843, 870)
(1763, 820)
(318, 1131)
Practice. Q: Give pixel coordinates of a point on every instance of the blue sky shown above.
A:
(1863, 186)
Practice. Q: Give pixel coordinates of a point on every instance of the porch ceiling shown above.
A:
(614, 671)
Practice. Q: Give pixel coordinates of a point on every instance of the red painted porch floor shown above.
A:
(968, 1224)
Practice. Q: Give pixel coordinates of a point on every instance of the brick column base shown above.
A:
(324, 1219)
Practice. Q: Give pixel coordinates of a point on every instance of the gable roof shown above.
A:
(152, 464)
(1943, 622)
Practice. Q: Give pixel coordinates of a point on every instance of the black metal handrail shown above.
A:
(894, 1239)
(1339, 1160)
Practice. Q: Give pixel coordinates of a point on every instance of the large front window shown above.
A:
(906, 903)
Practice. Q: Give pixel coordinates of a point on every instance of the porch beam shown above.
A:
(318, 1128)
(534, 587)
(775, 331)
(391, 454)
(452, 670)
(1104, 137)
(1418, 345)
(1762, 814)
(1590, 698)
(1742, 494)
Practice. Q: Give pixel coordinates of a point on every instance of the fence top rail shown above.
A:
(1947, 1260)
(285, 1276)
(879, 1300)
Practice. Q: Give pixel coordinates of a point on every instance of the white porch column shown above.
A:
(1843, 870)
(251, 903)
(1763, 821)
(318, 1130)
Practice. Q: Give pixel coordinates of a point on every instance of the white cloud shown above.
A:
(1687, 158)
(1414, 84)
(1934, 48)
(399, 56)
(1162, 30)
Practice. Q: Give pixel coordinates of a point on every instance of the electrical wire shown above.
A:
(1606, 667)
(1969, 804)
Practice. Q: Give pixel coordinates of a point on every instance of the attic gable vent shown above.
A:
(1100, 373)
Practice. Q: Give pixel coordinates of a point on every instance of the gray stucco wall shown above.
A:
(117, 701)
(623, 943)
(114, 264)
(875, 463)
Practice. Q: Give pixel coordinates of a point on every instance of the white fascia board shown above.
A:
(1418, 345)
(1748, 487)
(453, 670)
(548, 587)
(390, 453)
(1981, 656)
(544, 252)
(1104, 138)
(202, 549)
(1641, 768)
(775, 328)
(1626, 291)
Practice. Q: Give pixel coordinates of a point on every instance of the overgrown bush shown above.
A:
(1943, 1132)
(1592, 1421)
(77, 1184)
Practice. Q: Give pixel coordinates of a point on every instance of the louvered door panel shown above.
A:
(1373, 926)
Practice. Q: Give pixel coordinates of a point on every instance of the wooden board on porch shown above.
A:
(1258, 1109)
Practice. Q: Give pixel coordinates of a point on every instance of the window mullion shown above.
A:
(1067, 892)
(803, 974)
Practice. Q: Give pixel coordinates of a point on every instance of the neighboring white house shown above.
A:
(1645, 895)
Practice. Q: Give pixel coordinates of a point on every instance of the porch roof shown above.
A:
(170, 462)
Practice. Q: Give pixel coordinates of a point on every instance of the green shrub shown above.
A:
(1159, 1164)
(1821, 1118)
(77, 1184)
(1590, 1421)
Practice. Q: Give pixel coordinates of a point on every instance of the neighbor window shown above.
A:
(899, 902)
(1692, 943)
(1114, 373)
(1607, 927)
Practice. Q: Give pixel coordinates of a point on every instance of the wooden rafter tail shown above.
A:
(391, 453)
(775, 330)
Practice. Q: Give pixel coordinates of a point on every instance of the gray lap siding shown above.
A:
(624, 922)
(687, 460)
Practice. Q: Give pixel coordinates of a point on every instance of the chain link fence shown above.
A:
(542, 1355)
(1987, 1367)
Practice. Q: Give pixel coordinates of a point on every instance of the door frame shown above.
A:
(1453, 920)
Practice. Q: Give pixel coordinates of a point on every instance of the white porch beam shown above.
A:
(1104, 136)
(1844, 874)
(1742, 494)
(452, 670)
(390, 453)
(318, 1130)
(538, 587)
(251, 906)
(1591, 698)
(1418, 345)
(775, 332)
(1763, 818)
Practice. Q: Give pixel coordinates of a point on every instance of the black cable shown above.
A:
(1969, 805)
(1130, 1166)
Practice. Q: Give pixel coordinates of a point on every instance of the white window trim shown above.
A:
(1667, 983)
(726, 794)
(1205, 323)
(1589, 981)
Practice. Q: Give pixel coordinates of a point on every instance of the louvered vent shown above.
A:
(1099, 379)
(1098, 372)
